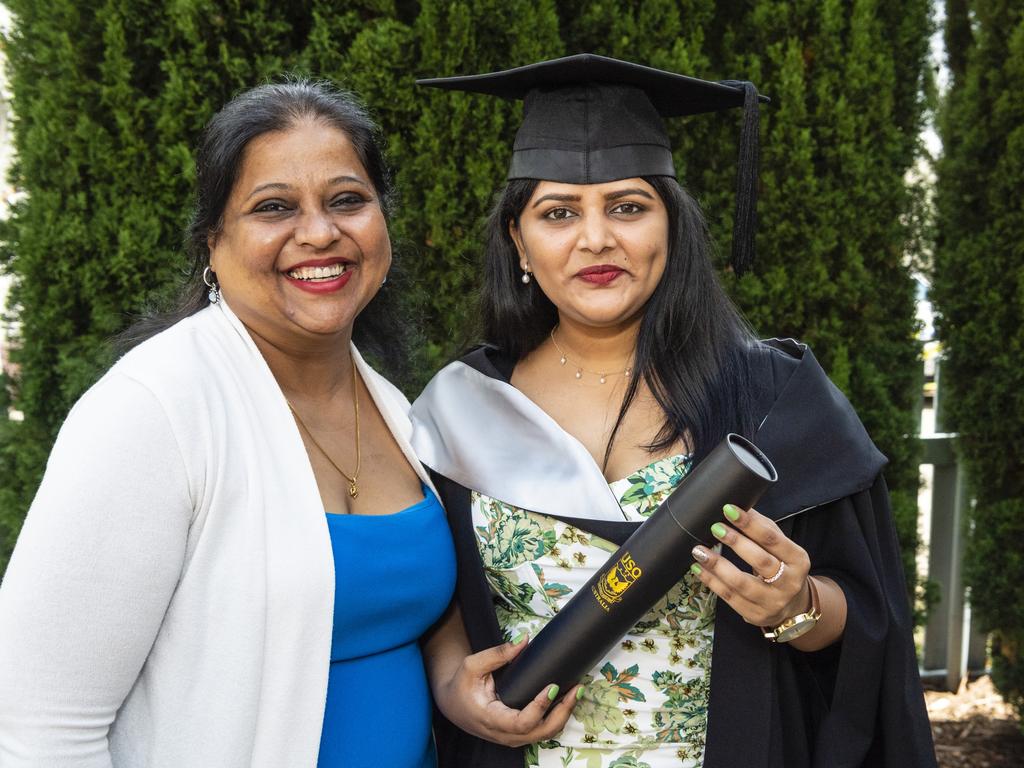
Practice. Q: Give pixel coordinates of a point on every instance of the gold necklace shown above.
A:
(580, 370)
(353, 488)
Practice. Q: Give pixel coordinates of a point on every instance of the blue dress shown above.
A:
(394, 577)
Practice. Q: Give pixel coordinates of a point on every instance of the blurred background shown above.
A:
(891, 234)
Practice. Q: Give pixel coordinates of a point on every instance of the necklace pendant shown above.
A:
(352, 490)
(563, 360)
(603, 379)
(579, 373)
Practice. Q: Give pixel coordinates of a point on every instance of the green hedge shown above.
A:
(110, 98)
(979, 294)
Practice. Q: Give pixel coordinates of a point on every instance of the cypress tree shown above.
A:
(979, 274)
(847, 82)
(108, 102)
(110, 99)
(460, 146)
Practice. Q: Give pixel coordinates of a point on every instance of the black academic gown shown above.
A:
(857, 703)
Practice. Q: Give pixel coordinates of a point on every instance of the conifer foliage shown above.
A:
(847, 82)
(979, 294)
(110, 97)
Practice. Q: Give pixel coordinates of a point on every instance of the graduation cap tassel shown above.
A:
(745, 224)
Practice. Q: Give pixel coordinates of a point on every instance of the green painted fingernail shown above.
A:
(732, 512)
(552, 692)
(579, 693)
(518, 638)
(719, 530)
(695, 569)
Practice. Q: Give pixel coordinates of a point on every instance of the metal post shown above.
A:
(956, 657)
(943, 557)
(952, 647)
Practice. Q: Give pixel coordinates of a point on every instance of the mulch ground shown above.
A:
(975, 728)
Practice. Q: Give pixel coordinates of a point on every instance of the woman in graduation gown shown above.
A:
(613, 363)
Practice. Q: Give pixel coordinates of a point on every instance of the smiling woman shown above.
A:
(303, 246)
(596, 251)
(192, 584)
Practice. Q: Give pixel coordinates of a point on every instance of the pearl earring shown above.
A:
(526, 276)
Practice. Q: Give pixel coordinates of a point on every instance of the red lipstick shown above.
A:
(601, 274)
(324, 283)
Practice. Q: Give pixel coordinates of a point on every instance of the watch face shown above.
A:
(801, 626)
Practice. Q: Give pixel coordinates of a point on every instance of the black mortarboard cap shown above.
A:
(589, 119)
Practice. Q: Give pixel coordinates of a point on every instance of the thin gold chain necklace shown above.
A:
(353, 488)
(580, 370)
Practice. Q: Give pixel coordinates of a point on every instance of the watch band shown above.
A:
(798, 625)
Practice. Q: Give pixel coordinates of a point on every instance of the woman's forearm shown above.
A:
(444, 649)
(832, 623)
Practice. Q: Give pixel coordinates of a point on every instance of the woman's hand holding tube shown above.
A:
(778, 588)
(463, 687)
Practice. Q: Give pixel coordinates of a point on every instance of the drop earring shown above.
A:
(210, 280)
(526, 277)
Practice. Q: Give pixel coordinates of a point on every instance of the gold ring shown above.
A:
(777, 576)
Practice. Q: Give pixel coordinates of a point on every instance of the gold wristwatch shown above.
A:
(798, 625)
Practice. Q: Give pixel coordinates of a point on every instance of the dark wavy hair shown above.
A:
(378, 330)
(693, 344)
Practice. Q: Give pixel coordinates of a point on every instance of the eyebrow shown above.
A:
(556, 198)
(282, 186)
(627, 192)
(610, 196)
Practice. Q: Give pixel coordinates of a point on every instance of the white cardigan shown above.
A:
(169, 602)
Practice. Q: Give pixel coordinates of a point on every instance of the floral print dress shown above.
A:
(645, 704)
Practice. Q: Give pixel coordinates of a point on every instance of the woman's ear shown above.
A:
(517, 241)
(211, 245)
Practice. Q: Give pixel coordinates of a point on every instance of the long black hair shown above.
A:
(692, 345)
(379, 330)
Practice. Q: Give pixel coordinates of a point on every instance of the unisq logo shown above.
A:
(613, 584)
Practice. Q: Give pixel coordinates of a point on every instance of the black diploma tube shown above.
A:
(638, 574)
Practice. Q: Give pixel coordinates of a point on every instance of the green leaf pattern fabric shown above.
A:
(645, 704)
